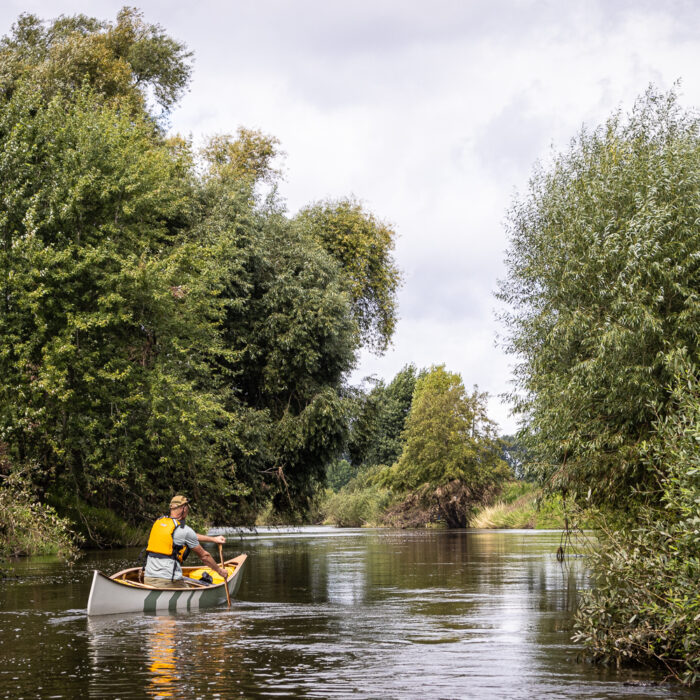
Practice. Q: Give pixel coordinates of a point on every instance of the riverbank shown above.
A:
(515, 505)
(28, 527)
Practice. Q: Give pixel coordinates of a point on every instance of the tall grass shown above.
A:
(521, 505)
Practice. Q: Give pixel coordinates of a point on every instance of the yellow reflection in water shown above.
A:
(161, 652)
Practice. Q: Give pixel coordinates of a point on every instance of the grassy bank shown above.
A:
(521, 505)
(518, 505)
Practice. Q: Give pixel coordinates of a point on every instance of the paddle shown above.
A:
(221, 557)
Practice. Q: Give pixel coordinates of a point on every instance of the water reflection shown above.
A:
(161, 651)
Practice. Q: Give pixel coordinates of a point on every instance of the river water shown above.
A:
(323, 613)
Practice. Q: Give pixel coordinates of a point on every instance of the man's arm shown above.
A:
(218, 539)
(208, 560)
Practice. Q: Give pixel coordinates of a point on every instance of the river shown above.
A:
(323, 613)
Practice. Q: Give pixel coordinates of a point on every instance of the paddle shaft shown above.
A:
(221, 557)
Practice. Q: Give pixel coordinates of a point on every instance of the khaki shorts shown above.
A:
(167, 583)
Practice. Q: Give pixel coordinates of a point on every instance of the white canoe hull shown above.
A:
(109, 596)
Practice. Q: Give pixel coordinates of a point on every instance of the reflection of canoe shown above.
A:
(122, 592)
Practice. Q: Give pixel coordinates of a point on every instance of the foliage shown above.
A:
(379, 418)
(99, 526)
(129, 60)
(522, 505)
(165, 326)
(515, 455)
(447, 437)
(103, 352)
(245, 161)
(338, 474)
(602, 288)
(646, 602)
(358, 504)
(29, 527)
(363, 247)
(289, 337)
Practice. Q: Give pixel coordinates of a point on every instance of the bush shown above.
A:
(99, 527)
(28, 527)
(645, 606)
(357, 508)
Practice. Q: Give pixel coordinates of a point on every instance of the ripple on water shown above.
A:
(323, 613)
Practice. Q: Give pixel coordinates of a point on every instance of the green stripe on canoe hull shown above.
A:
(149, 604)
(205, 599)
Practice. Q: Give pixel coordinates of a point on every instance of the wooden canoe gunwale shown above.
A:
(121, 577)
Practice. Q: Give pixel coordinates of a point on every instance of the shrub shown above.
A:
(355, 508)
(28, 527)
(645, 606)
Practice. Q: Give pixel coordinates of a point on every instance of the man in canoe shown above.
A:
(169, 543)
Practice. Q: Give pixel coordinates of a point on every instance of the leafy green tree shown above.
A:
(363, 247)
(602, 287)
(376, 429)
(104, 338)
(448, 437)
(288, 330)
(161, 327)
(129, 60)
(339, 473)
(514, 455)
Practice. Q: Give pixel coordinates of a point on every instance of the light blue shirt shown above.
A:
(169, 568)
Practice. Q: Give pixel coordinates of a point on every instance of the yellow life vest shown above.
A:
(160, 542)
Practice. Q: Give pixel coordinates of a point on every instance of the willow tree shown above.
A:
(602, 285)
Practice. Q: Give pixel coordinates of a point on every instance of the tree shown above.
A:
(162, 325)
(288, 330)
(363, 247)
(105, 336)
(602, 286)
(129, 60)
(376, 429)
(447, 437)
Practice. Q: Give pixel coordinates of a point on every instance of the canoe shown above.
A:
(123, 592)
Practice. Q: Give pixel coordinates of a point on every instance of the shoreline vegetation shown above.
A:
(31, 528)
(514, 505)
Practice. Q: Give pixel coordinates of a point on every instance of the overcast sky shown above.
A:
(431, 113)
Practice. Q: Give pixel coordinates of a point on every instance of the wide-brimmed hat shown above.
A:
(178, 501)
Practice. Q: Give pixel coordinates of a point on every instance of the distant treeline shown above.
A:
(421, 450)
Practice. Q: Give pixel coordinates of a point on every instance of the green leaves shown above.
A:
(447, 437)
(363, 248)
(601, 285)
(164, 328)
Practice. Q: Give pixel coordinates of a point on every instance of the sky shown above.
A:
(432, 114)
